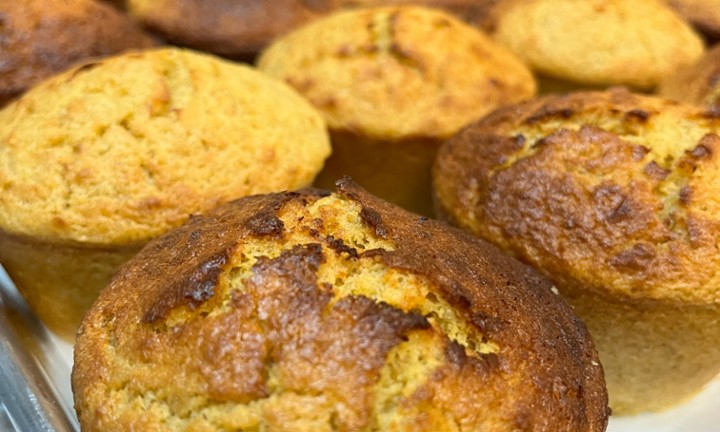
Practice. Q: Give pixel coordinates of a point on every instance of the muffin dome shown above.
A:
(309, 311)
(598, 42)
(98, 160)
(36, 42)
(393, 83)
(615, 197)
(397, 72)
(120, 150)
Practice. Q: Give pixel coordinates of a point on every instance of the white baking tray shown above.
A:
(42, 398)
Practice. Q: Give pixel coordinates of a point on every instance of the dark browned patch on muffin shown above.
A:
(192, 291)
(637, 115)
(548, 112)
(655, 171)
(636, 258)
(685, 195)
(340, 247)
(265, 222)
(372, 219)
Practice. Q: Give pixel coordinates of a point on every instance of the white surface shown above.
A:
(699, 414)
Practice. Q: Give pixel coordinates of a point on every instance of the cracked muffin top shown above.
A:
(119, 150)
(395, 73)
(36, 43)
(311, 311)
(598, 42)
(567, 182)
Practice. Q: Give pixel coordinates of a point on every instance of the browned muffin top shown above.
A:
(309, 311)
(613, 191)
(239, 29)
(42, 37)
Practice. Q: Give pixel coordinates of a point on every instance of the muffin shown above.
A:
(392, 84)
(36, 42)
(616, 198)
(98, 160)
(241, 29)
(598, 42)
(697, 84)
(704, 15)
(231, 28)
(311, 311)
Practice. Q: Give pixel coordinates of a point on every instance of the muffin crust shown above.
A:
(36, 42)
(309, 311)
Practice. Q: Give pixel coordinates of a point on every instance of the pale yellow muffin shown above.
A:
(393, 83)
(616, 198)
(98, 160)
(598, 42)
(314, 312)
(698, 84)
(702, 14)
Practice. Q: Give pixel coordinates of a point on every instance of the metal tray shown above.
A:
(35, 392)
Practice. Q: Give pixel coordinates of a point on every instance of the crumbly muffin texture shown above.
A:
(570, 181)
(36, 42)
(396, 73)
(117, 151)
(613, 196)
(598, 42)
(307, 311)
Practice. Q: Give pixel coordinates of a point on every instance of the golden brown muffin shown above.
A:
(393, 83)
(704, 15)
(310, 311)
(616, 198)
(42, 37)
(98, 160)
(698, 84)
(598, 42)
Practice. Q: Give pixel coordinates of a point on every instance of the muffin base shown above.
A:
(656, 354)
(60, 282)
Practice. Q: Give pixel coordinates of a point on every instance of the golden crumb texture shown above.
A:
(36, 42)
(311, 311)
(598, 42)
(117, 151)
(698, 83)
(570, 181)
(395, 73)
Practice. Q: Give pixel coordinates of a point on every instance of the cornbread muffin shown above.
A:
(102, 158)
(704, 15)
(616, 198)
(310, 311)
(393, 83)
(598, 42)
(698, 84)
(37, 43)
